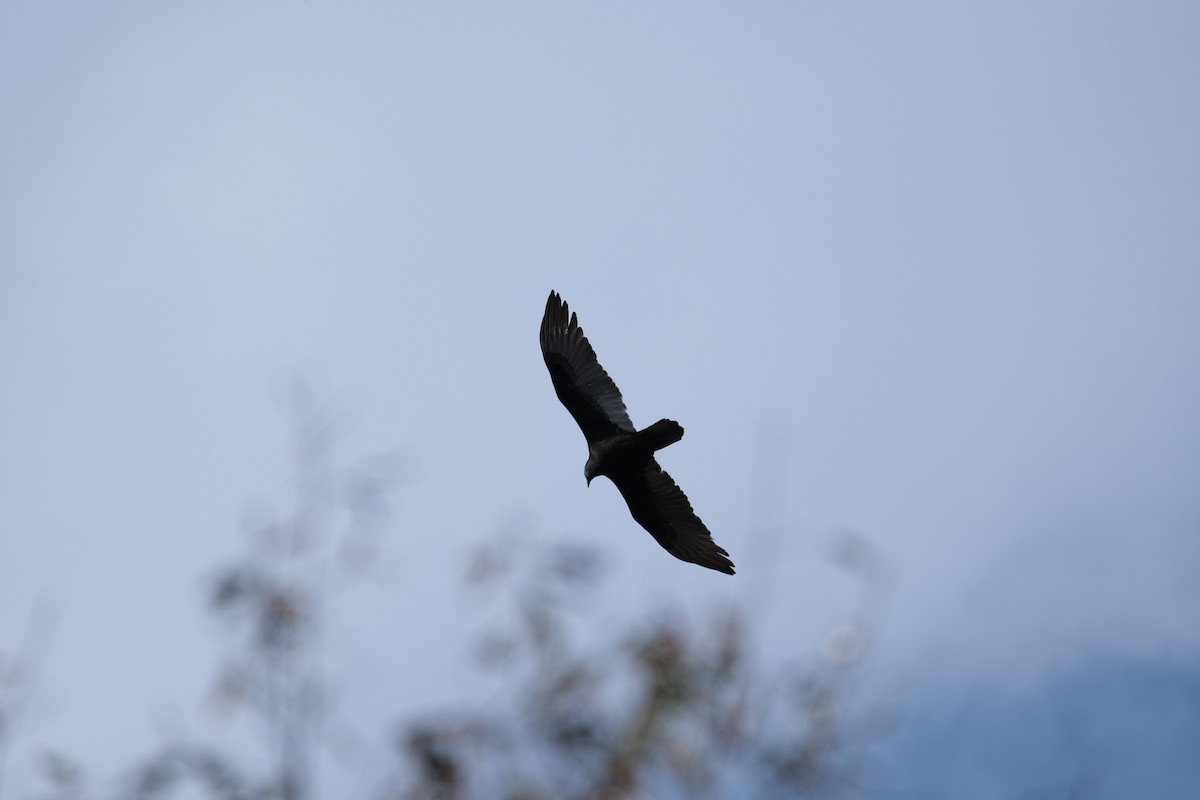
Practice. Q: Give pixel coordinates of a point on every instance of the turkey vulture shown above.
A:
(617, 449)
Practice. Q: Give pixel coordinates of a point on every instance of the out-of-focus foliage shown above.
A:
(657, 711)
(20, 671)
(271, 603)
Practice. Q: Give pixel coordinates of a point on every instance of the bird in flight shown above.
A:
(618, 450)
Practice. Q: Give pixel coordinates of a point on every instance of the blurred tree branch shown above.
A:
(660, 711)
(20, 674)
(271, 603)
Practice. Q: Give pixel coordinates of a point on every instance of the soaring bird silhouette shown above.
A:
(618, 450)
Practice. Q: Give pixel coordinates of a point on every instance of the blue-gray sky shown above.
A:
(945, 253)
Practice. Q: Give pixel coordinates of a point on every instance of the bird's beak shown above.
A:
(589, 480)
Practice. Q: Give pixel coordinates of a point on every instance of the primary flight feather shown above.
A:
(618, 450)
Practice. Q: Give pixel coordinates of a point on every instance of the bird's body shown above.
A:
(618, 450)
(623, 453)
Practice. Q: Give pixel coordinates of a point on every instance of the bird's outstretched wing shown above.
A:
(579, 381)
(662, 508)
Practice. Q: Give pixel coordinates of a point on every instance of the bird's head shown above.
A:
(589, 471)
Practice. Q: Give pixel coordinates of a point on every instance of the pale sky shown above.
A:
(940, 256)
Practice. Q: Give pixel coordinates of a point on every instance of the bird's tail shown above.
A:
(661, 434)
